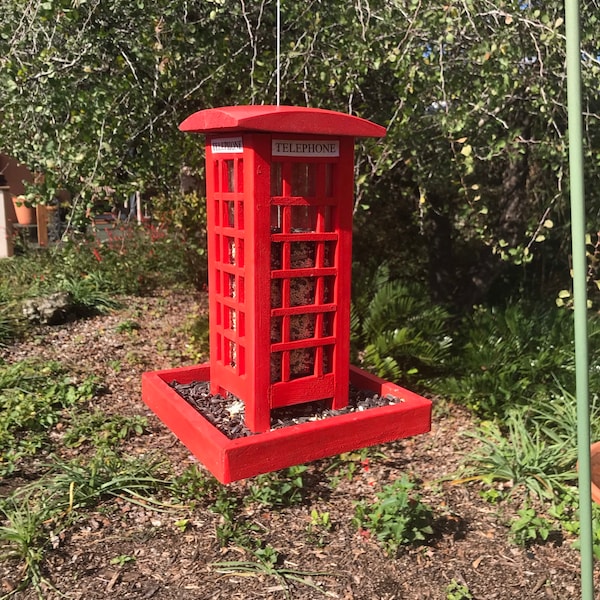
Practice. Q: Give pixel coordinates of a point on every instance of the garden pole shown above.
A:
(578, 228)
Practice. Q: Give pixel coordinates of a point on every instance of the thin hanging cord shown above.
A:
(278, 51)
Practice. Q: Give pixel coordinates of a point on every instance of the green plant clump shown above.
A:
(396, 331)
(34, 514)
(279, 489)
(529, 527)
(523, 455)
(33, 398)
(511, 357)
(397, 518)
(458, 591)
(100, 429)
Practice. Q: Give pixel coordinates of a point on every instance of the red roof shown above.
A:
(280, 119)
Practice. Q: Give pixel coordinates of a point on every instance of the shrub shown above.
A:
(509, 357)
(396, 330)
(398, 517)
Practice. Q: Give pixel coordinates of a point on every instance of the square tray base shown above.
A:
(230, 460)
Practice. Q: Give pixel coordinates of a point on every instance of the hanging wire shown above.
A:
(278, 68)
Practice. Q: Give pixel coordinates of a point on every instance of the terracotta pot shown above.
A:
(595, 468)
(25, 214)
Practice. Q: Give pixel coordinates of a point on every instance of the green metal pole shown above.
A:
(578, 228)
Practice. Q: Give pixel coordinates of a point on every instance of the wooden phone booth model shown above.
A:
(280, 184)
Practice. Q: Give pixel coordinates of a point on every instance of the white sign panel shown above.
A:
(231, 145)
(322, 148)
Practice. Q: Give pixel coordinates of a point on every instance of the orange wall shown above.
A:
(15, 174)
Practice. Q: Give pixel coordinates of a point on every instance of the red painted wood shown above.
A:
(230, 460)
(280, 119)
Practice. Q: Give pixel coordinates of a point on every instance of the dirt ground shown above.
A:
(471, 544)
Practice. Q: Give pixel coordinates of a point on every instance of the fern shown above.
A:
(396, 331)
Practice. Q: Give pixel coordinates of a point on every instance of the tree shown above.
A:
(471, 176)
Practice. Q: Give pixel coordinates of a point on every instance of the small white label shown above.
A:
(305, 148)
(232, 145)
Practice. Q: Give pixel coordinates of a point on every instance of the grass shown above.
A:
(34, 397)
(269, 564)
(523, 456)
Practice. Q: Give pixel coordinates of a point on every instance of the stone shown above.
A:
(53, 309)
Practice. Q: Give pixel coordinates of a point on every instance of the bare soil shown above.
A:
(471, 543)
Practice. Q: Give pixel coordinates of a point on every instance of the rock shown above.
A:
(54, 309)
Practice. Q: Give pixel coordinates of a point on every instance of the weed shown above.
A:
(23, 538)
(522, 457)
(319, 527)
(36, 513)
(91, 294)
(8, 326)
(346, 465)
(194, 484)
(100, 429)
(566, 515)
(320, 519)
(127, 326)
(33, 398)
(279, 489)
(268, 564)
(182, 524)
(458, 591)
(397, 518)
(557, 416)
(79, 484)
(529, 527)
(122, 560)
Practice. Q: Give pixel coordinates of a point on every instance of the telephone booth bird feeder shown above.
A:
(279, 220)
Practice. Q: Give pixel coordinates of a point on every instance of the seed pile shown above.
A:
(226, 413)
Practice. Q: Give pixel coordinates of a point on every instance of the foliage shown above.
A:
(524, 457)
(565, 513)
(100, 429)
(268, 565)
(398, 517)
(7, 322)
(194, 484)
(396, 331)
(131, 261)
(33, 398)
(185, 216)
(458, 591)
(471, 173)
(90, 294)
(529, 527)
(197, 332)
(279, 489)
(38, 512)
(510, 356)
(23, 538)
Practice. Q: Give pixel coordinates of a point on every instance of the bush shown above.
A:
(396, 331)
(510, 357)
(398, 517)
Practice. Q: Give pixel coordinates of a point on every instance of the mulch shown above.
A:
(471, 545)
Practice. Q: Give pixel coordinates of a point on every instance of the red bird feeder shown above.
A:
(280, 185)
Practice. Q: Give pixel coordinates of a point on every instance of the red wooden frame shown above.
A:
(266, 163)
(230, 460)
